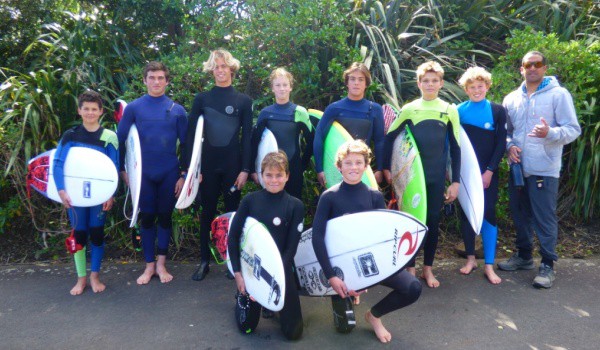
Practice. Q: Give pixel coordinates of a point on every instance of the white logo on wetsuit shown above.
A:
(229, 109)
(276, 221)
(300, 227)
(487, 125)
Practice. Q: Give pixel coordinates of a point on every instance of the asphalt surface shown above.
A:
(465, 312)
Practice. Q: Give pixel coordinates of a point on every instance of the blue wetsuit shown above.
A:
(160, 123)
(292, 129)
(485, 124)
(363, 119)
(86, 221)
(224, 154)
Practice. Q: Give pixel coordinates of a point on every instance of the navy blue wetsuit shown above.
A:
(432, 123)
(342, 199)
(363, 119)
(160, 123)
(283, 215)
(86, 220)
(224, 153)
(292, 129)
(485, 124)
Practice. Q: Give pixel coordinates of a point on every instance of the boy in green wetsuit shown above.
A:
(432, 122)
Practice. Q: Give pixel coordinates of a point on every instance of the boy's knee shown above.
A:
(147, 220)
(97, 236)
(81, 237)
(165, 220)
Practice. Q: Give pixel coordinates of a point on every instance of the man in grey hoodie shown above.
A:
(541, 120)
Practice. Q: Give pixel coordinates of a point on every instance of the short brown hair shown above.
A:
(281, 73)
(277, 160)
(427, 67)
(89, 96)
(357, 66)
(354, 146)
(475, 73)
(154, 66)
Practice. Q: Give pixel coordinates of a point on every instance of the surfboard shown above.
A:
(261, 265)
(337, 136)
(314, 115)
(119, 110)
(408, 178)
(267, 144)
(470, 193)
(389, 115)
(133, 167)
(90, 176)
(364, 249)
(192, 179)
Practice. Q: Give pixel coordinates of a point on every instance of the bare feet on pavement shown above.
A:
(491, 275)
(147, 275)
(79, 287)
(97, 286)
(380, 331)
(469, 266)
(161, 270)
(428, 276)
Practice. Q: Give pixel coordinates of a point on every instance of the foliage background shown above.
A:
(52, 50)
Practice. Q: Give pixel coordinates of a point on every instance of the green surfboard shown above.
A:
(337, 136)
(408, 178)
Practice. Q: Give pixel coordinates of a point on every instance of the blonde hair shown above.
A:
(427, 67)
(226, 56)
(281, 73)
(354, 146)
(475, 73)
(277, 160)
(360, 67)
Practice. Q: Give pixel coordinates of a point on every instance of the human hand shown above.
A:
(239, 282)
(108, 204)
(321, 178)
(451, 192)
(486, 178)
(514, 154)
(387, 175)
(179, 186)
(378, 176)
(540, 130)
(65, 199)
(125, 178)
(241, 180)
(254, 177)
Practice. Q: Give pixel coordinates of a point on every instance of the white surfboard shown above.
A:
(90, 176)
(133, 167)
(261, 265)
(192, 179)
(267, 144)
(364, 249)
(470, 193)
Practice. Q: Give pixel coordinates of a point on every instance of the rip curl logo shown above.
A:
(229, 109)
(412, 246)
(276, 221)
(300, 227)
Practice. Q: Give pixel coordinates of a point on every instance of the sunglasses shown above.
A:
(537, 65)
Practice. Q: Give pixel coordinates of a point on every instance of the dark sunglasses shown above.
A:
(537, 65)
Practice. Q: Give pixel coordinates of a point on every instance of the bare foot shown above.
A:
(380, 331)
(161, 270)
(97, 286)
(412, 271)
(79, 286)
(470, 265)
(428, 276)
(491, 275)
(147, 275)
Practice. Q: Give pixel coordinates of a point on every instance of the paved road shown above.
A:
(466, 312)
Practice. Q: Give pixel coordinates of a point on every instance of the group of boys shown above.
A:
(540, 117)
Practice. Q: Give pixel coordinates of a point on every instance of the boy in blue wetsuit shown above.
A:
(362, 118)
(86, 221)
(226, 156)
(290, 124)
(283, 215)
(485, 124)
(348, 197)
(432, 122)
(160, 123)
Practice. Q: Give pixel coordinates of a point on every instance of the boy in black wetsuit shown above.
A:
(290, 124)
(348, 197)
(225, 157)
(432, 122)
(283, 215)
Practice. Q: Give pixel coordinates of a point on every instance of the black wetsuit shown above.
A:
(292, 129)
(432, 123)
(342, 199)
(283, 215)
(224, 153)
